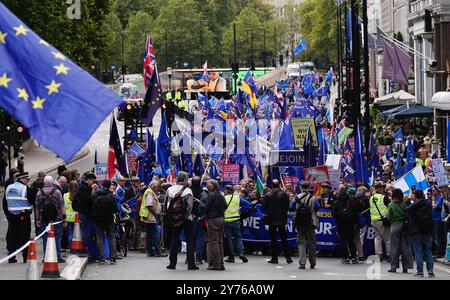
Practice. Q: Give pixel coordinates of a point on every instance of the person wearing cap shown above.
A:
(82, 204)
(345, 211)
(232, 227)
(276, 206)
(327, 199)
(378, 215)
(49, 190)
(306, 232)
(19, 211)
(439, 233)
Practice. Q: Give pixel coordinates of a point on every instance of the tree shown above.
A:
(138, 26)
(250, 25)
(82, 40)
(180, 37)
(292, 26)
(112, 54)
(127, 8)
(318, 26)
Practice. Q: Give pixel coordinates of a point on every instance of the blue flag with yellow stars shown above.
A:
(61, 104)
(153, 100)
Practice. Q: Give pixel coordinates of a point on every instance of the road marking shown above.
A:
(292, 276)
(442, 268)
(279, 267)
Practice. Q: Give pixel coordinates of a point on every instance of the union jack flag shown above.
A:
(149, 61)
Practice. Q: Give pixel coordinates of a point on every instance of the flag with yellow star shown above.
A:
(61, 104)
(153, 99)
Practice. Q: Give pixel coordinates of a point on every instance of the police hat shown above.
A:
(22, 175)
(229, 188)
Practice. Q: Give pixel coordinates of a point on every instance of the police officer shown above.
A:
(20, 209)
(378, 212)
(233, 223)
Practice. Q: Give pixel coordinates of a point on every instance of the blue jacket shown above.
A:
(436, 213)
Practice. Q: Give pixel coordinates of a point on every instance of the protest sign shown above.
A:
(316, 174)
(439, 172)
(300, 129)
(230, 172)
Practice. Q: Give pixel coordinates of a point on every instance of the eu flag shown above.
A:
(152, 101)
(61, 104)
(163, 145)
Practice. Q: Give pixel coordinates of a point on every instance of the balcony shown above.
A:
(416, 6)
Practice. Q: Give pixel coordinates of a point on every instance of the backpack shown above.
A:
(49, 210)
(303, 213)
(177, 210)
(102, 209)
(424, 220)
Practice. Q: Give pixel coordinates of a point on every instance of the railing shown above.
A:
(419, 5)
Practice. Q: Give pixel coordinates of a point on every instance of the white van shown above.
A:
(293, 70)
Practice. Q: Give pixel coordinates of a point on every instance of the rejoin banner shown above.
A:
(287, 159)
(255, 232)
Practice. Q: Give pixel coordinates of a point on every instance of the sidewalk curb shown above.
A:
(75, 268)
(84, 153)
(443, 262)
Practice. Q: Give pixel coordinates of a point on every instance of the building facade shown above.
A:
(280, 5)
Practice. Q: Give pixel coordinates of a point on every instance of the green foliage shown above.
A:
(318, 26)
(180, 36)
(138, 25)
(125, 9)
(112, 30)
(81, 40)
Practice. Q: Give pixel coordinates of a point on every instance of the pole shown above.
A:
(366, 73)
(338, 43)
(8, 129)
(253, 58)
(275, 44)
(201, 45)
(235, 66)
(356, 47)
(123, 60)
(265, 65)
(166, 49)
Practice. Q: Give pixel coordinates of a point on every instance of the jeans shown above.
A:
(110, 231)
(153, 239)
(175, 241)
(422, 247)
(199, 242)
(58, 234)
(85, 225)
(69, 234)
(234, 237)
(439, 237)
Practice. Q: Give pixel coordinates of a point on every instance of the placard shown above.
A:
(300, 130)
(439, 172)
(230, 172)
(316, 174)
(101, 171)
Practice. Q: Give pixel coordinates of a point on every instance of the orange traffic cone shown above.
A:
(32, 263)
(51, 269)
(77, 242)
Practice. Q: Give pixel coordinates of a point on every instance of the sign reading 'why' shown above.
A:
(300, 129)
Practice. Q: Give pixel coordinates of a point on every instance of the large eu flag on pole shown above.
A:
(153, 100)
(61, 104)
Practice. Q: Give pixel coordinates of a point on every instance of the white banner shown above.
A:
(439, 172)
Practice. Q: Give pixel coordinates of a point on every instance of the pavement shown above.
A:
(138, 266)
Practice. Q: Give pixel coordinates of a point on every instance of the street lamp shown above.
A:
(123, 60)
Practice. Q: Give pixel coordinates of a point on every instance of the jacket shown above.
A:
(344, 203)
(412, 214)
(83, 200)
(111, 208)
(215, 205)
(276, 204)
(49, 188)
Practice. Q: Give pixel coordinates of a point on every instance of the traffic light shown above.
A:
(235, 67)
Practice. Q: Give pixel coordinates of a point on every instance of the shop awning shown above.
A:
(395, 99)
(408, 111)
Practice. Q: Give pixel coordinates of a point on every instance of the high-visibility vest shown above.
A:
(70, 213)
(374, 214)
(232, 213)
(182, 104)
(178, 95)
(169, 96)
(144, 212)
(16, 198)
